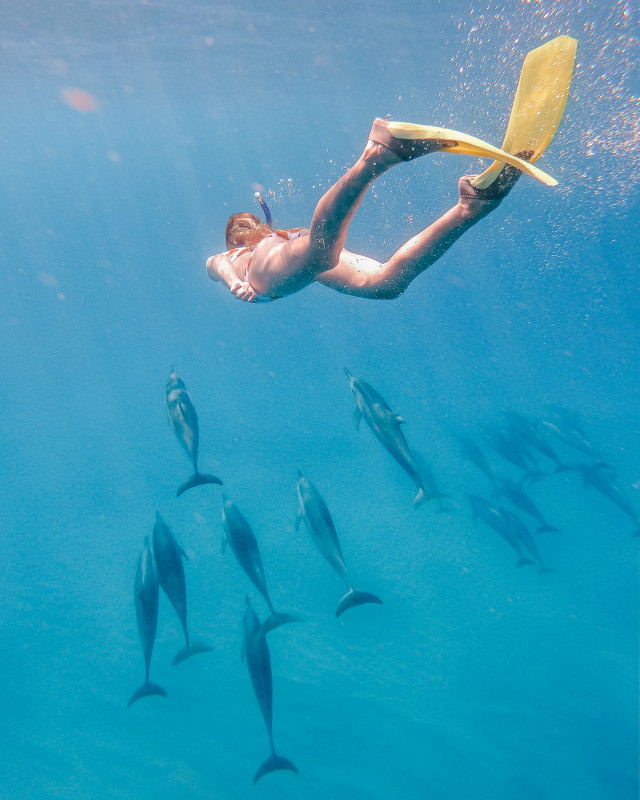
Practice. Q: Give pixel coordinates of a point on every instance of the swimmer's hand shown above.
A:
(243, 291)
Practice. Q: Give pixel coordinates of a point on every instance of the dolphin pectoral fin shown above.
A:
(223, 541)
(354, 597)
(277, 618)
(190, 650)
(400, 420)
(146, 690)
(357, 417)
(182, 553)
(272, 764)
(198, 479)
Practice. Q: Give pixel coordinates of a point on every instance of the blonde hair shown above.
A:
(245, 230)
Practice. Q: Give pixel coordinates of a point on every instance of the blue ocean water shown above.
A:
(129, 133)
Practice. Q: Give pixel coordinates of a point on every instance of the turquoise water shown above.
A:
(475, 678)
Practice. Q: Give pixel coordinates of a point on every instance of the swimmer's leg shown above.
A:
(295, 264)
(335, 210)
(393, 277)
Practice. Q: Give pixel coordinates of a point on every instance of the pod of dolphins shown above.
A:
(520, 442)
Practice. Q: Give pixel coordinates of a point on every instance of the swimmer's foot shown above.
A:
(485, 200)
(405, 149)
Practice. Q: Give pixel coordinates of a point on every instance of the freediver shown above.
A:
(263, 263)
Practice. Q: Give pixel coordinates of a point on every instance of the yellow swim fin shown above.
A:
(539, 103)
(464, 144)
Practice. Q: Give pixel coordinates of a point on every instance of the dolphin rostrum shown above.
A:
(238, 533)
(256, 650)
(386, 427)
(314, 511)
(168, 556)
(184, 421)
(145, 594)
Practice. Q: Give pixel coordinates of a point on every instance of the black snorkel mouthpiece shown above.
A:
(264, 207)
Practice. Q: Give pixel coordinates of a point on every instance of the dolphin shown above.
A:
(594, 476)
(238, 533)
(494, 518)
(475, 454)
(313, 510)
(566, 426)
(184, 420)
(516, 451)
(523, 533)
(259, 663)
(145, 593)
(386, 426)
(525, 430)
(514, 492)
(168, 556)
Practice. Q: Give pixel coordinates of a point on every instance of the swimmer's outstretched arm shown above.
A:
(219, 268)
(364, 277)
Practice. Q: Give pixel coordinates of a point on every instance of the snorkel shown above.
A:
(264, 207)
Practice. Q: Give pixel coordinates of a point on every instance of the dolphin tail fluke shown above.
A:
(563, 468)
(533, 476)
(356, 598)
(199, 479)
(278, 618)
(547, 529)
(146, 690)
(420, 498)
(523, 562)
(190, 650)
(274, 763)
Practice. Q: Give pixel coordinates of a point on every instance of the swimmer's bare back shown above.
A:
(280, 267)
(274, 268)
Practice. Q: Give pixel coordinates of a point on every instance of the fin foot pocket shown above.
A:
(405, 148)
